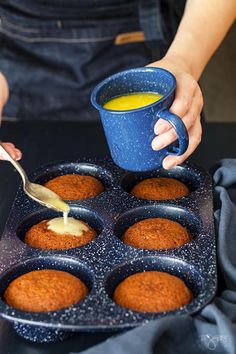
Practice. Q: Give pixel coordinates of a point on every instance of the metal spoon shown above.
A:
(39, 193)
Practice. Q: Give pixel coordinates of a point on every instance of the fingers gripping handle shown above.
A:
(180, 129)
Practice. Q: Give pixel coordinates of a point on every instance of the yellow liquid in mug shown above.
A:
(132, 101)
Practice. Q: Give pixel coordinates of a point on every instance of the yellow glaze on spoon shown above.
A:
(48, 197)
(51, 199)
(73, 227)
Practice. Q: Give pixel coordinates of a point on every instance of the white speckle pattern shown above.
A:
(105, 261)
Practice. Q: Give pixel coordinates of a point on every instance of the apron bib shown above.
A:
(52, 62)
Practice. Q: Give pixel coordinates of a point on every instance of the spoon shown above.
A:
(37, 192)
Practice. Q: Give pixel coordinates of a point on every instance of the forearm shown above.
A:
(202, 28)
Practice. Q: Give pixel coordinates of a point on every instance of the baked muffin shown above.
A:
(152, 291)
(45, 290)
(160, 189)
(75, 187)
(156, 234)
(43, 236)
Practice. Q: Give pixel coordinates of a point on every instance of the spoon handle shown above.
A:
(15, 164)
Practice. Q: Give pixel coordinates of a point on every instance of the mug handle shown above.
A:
(180, 129)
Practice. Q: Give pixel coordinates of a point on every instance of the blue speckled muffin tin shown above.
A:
(105, 261)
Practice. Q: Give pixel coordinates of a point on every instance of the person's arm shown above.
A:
(4, 93)
(201, 30)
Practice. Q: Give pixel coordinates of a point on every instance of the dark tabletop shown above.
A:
(44, 142)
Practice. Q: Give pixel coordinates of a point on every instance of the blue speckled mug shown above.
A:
(130, 133)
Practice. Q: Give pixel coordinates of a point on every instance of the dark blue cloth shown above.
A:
(213, 329)
(52, 66)
(53, 55)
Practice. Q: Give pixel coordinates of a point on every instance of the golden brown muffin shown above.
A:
(155, 234)
(75, 187)
(152, 291)
(45, 290)
(160, 189)
(40, 236)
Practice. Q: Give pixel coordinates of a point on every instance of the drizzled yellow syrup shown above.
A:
(73, 227)
(132, 101)
(51, 199)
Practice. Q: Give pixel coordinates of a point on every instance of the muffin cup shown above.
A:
(190, 275)
(184, 217)
(28, 328)
(80, 168)
(83, 214)
(187, 176)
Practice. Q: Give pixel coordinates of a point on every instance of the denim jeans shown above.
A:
(52, 64)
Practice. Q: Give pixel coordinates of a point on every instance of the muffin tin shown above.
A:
(106, 261)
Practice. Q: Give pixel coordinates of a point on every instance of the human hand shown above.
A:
(12, 150)
(4, 93)
(187, 105)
